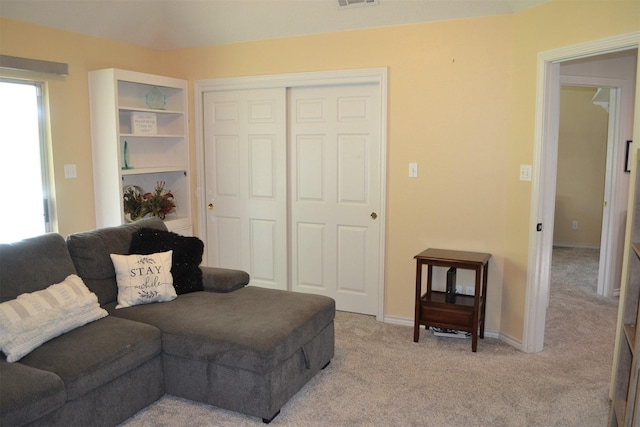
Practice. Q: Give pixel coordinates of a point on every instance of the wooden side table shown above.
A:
(467, 313)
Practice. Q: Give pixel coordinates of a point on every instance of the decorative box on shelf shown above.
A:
(144, 123)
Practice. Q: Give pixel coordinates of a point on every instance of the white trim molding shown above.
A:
(548, 75)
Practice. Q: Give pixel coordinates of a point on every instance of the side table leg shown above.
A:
(416, 317)
(476, 321)
(485, 277)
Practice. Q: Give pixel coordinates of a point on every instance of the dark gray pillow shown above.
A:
(187, 255)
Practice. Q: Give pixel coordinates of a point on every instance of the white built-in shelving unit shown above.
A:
(156, 153)
(625, 404)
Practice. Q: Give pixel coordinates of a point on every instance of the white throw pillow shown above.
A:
(143, 279)
(34, 318)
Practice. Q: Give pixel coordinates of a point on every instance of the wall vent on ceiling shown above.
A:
(345, 4)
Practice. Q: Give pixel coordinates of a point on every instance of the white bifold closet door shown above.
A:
(335, 196)
(246, 183)
(293, 189)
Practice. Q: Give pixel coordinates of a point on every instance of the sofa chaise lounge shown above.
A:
(237, 347)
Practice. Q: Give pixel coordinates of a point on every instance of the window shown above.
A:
(24, 205)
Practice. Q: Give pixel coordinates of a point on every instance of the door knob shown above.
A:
(374, 215)
(210, 206)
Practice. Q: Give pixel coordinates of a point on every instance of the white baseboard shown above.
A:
(575, 245)
(489, 333)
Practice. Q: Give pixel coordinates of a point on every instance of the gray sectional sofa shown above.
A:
(237, 347)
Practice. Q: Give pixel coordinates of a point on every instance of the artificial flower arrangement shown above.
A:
(138, 204)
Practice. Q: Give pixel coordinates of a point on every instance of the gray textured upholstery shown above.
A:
(241, 348)
(236, 389)
(91, 356)
(28, 393)
(112, 403)
(252, 328)
(249, 350)
(76, 369)
(90, 253)
(33, 264)
(217, 279)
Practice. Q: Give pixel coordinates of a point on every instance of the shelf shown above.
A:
(165, 123)
(175, 219)
(149, 110)
(175, 223)
(439, 298)
(158, 169)
(136, 135)
(630, 333)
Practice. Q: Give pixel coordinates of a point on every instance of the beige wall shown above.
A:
(461, 104)
(553, 25)
(582, 155)
(69, 105)
(440, 75)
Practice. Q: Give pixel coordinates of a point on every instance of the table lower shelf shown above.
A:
(435, 311)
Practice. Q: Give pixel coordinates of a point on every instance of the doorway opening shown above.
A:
(591, 182)
(583, 144)
(545, 168)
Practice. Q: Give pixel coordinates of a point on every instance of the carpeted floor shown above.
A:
(379, 377)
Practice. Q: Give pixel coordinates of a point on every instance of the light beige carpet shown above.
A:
(379, 377)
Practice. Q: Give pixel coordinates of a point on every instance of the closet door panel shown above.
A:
(245, 163)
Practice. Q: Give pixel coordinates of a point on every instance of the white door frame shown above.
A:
(544, 169)
(323, 78)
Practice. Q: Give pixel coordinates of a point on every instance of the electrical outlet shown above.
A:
(574, 225)
(525, 172)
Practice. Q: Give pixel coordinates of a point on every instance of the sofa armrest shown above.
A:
(27, 393)
(221, 280)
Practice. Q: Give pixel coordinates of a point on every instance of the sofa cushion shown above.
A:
(90, 356)
(28, 393)
(216, 279)
(187, 255)
(33, 264)
(143, 279)
(36, 317)
(90, 252)
(251, 328)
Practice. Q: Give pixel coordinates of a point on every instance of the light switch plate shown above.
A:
(413, 170)
(70, 171)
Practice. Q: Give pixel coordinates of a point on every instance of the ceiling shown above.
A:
(174, 24)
